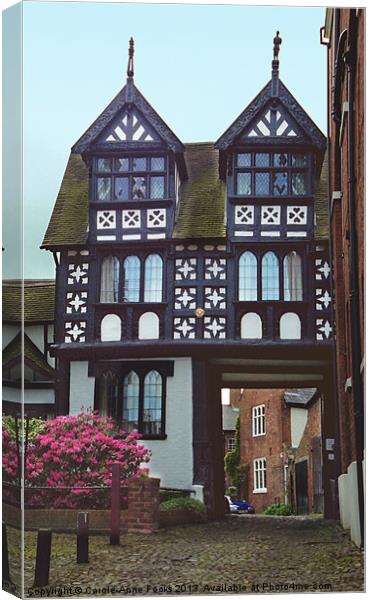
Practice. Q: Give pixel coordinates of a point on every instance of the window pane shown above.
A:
(158, 163)
(244, 160)
(292, 277)
(130, 408)
(153, 278)
(248, 277)
(121, 188)
(152, 407)
(262, 184)
(109, 283)
(139, 188)
(157, 187)
(139, 164)
(131, 279)
(262, 159)
(298, 160)
(298, 184)
(280, 184)
(107, 394)
(104, 165)
(270, 277)
(281, 160)
(122, 164)
(244, 184)
(104, 188)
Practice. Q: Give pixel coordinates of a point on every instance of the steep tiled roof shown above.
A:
(38, 301)
(202, 197)
(69, 221)
(13, 351)
(321, 204)
(201, 210)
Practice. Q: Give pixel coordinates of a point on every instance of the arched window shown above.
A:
(130, 409)
(107, 395)
(109, 279)
(148, 326)
(270, 277)
(131, 279)
(290, 326)
(153, 278)
(292, 277)
(248, 273)
(152, 403)
(251, 326)
(110, 328)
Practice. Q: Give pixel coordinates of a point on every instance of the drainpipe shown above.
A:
(355, 324)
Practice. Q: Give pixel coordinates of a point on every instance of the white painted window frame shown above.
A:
(260, 475)
(258, 420)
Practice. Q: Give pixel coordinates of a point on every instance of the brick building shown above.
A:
(343, 34)
(281, 451)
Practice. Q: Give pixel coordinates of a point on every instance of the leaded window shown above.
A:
(130, 409)
(130, 178)
(107, 394)
(152, 403)
(248, 271)
(143, 402)
(109, 286)
(292, 277)
(153, 278)
(271, 174)
(270, 277)
(140, 279)
(132, 269)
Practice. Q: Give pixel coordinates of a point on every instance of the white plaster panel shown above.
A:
(149, 326)
(290, 327)
(36, 335)
(172, 459)
(298, 421)
(81, 388)
(11, 394)
(352, 496)
(110, 328)
(251, 326)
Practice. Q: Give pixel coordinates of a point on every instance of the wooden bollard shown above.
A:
(115, 505)
(82, 537)
(44, 544)
(5, 560)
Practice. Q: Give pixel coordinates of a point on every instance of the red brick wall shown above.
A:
(269, 446)
(143, 504)
(339, 170)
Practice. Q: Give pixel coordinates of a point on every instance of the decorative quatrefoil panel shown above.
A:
(75, 331)
(215, 268)
(185, 268)
(156, 217)
(130, 218)
(322, 269)
(215, 298)
(185, 298)
(324, 329)
(76, 302)
(214, 327)
(184, 328)
(78, 274)
(270, 215)
(323, 299)
(297, 215)
(244, 215)
(106, 219)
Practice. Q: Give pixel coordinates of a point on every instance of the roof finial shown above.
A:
(130, 69)
(277, 41)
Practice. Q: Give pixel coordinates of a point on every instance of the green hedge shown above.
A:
(183, 502)
(277, 509)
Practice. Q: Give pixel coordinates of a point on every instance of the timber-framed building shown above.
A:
(184, 268)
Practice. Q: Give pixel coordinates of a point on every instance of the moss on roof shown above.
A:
(39, 297)
(321, 204)
(202, 197)
(69, 221)
(13, 351)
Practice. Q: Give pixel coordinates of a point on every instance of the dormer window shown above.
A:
(130, 178)
(271, 174)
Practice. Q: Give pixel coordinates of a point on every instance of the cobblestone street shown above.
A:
(238, 554)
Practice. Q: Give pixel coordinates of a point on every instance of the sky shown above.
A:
(198, 65)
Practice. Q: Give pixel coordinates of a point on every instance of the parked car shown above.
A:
(238, 506)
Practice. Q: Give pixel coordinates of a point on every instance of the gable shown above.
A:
(272, 122)
(130, 126)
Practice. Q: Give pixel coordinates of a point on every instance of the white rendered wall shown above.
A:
(172, 459)
(36, 335)
(81, 388)
(8, 333)
(11, 394)
(344, 501)
(348, 503)
(298, 418)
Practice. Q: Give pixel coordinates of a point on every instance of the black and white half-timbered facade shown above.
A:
(184, 268)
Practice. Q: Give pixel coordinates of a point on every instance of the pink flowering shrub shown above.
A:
(76, 452)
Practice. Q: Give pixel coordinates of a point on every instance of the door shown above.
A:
(301, 486)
